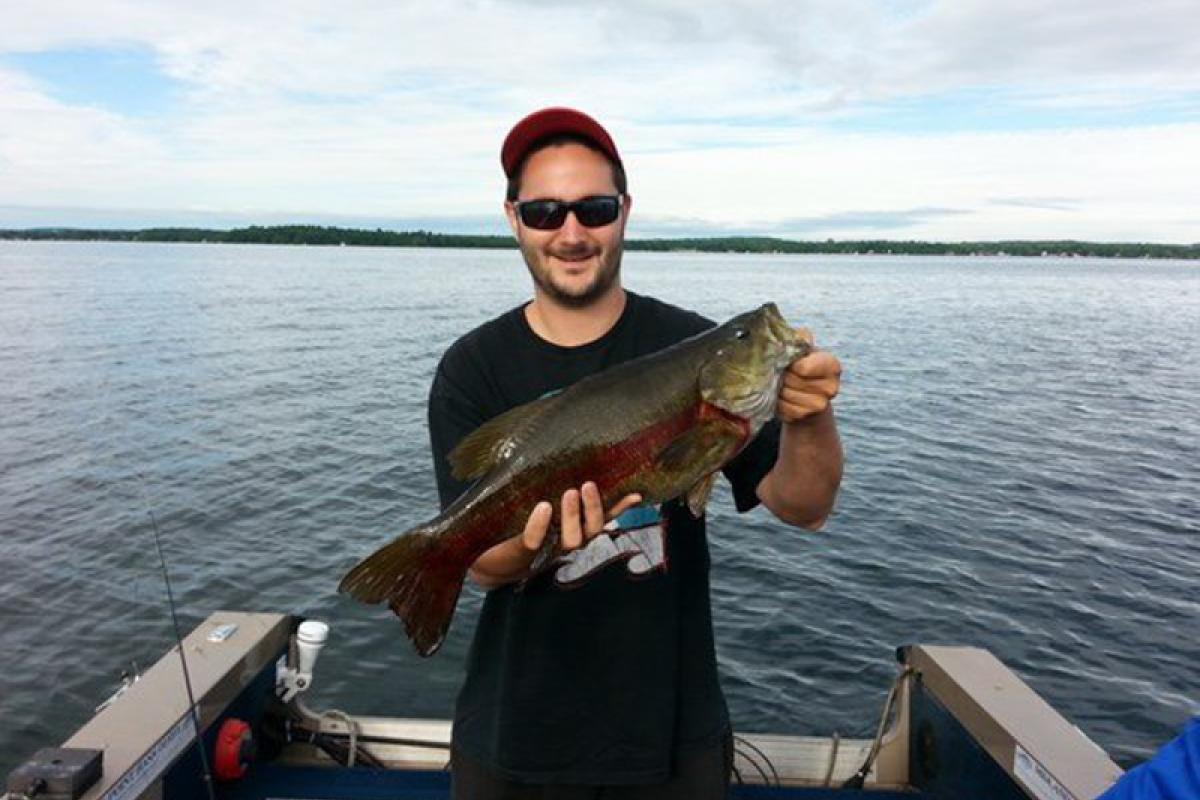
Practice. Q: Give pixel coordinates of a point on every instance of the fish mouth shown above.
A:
(749, 385)
(783, 346)
(790, 345)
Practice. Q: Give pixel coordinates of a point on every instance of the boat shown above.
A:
(222, 716)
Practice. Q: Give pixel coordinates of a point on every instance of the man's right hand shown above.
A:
(582, 519)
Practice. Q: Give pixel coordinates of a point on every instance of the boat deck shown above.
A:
(759, 757)
(768, 764)
(270, 782)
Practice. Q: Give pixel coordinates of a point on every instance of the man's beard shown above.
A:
(605, 277)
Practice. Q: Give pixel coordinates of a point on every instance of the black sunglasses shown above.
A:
(548, 215)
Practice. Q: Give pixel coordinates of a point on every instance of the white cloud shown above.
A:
(1127, 183)
(1072, 42)
(71, 154)
(398, 110)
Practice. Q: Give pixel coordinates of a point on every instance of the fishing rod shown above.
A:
(187, 678)
(346, 754)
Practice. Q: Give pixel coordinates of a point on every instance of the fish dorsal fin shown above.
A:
(489, 444)
(697, 496)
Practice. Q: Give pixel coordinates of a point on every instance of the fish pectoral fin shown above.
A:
(701, 449)
(697, 496)
(488, 444)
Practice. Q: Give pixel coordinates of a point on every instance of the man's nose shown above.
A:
(571, 228)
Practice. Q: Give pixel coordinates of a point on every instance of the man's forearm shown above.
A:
(802, 486)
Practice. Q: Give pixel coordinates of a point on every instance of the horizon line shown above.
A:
(680, 238)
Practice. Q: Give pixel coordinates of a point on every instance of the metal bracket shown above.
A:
(56, 773)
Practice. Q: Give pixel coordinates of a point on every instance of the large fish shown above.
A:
(660, 426)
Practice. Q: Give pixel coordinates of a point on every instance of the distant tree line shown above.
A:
(333, 236)
(1066, 247)
(273, 234)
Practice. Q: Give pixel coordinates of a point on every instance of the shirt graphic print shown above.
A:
(638, 536)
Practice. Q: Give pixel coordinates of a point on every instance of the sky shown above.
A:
(900, 119)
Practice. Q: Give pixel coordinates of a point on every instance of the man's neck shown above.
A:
(571, 327)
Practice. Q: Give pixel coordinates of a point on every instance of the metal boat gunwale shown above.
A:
(959, 704)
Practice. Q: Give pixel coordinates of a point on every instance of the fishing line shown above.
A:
(767, 760)
(187, 678)
(107, 392)
(754, 763)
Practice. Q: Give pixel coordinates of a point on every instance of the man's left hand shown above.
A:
(809, 384)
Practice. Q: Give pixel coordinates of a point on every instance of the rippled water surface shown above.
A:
(1022, 437)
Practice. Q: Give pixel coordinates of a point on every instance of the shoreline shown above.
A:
(321, 236)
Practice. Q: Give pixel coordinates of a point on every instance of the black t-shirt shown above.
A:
(600, 671)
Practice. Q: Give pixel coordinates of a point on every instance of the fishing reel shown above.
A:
(295, 676)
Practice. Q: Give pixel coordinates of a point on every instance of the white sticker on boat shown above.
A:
(1040, 783)
(151, 766)
(222, 632)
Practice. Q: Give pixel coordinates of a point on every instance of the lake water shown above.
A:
(1023, 472)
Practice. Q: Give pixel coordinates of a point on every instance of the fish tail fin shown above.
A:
(420, 580)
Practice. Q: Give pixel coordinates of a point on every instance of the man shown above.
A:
(599, 677)
(1172, 774)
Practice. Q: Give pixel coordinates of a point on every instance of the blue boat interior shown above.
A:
(962, 725)
(946, 763)
(317, 783)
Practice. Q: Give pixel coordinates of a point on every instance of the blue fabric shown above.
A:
(1173, 773)
(339, 783)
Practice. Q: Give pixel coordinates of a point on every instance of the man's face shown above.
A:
(572, 265)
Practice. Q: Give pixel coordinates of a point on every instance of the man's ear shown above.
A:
(511, 212)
